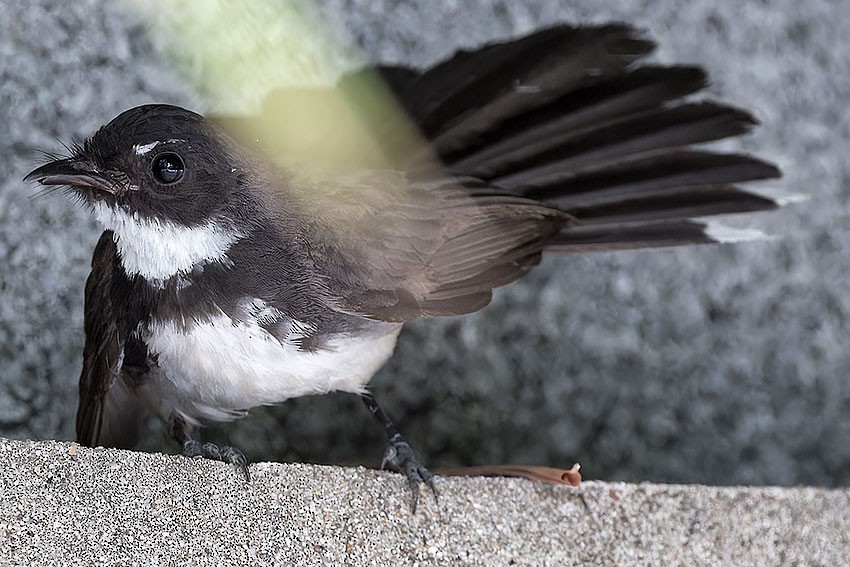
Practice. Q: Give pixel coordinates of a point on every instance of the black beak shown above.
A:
(72, 172)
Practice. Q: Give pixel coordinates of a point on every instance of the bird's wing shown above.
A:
(106, 336)
(395, 250)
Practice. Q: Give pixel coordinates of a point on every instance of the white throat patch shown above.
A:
(158, 250)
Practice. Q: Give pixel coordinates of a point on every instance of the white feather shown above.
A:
(726, 234)
(220, 367)
(144, 149)
(158, 250)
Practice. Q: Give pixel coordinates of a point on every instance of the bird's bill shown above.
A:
(72, 172)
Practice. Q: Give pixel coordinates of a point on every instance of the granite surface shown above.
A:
(62, 504)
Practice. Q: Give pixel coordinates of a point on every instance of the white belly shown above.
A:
(220, 368)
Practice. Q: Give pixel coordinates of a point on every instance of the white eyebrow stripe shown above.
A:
(143, 149)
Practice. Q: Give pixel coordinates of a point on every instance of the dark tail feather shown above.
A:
(563, 116)
(563, 155)
(695, 202)
(626, 236)
(460, 97)
(576, 113)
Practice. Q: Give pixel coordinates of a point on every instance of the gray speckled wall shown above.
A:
(724, 364)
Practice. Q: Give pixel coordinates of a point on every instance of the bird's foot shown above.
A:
(400, 457)
(189, 447)
(223, 453)
(399, 454)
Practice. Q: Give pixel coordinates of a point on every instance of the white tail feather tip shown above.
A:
(779, 198)
(790, 199)
(724, 234)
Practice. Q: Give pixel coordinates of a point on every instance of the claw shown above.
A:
(211, 451)
(233, 456)
(192, 448)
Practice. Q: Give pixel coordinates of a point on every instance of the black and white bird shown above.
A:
(226, 281)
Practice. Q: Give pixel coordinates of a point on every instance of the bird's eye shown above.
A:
(168, 168)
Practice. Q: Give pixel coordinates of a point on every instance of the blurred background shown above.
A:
(714, 364)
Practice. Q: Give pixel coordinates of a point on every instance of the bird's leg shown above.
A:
(399, 454)
(192, 448)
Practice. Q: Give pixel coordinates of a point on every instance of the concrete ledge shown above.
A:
(65, 504)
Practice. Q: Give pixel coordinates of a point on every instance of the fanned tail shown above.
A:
(564, 116)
